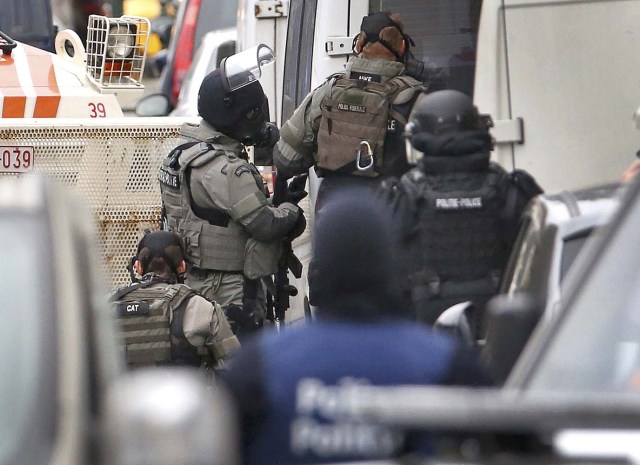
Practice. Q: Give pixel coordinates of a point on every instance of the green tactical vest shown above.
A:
(354, 123)
(148, 337)
(215, 243)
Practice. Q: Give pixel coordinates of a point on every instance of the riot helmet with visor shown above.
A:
(232, 100)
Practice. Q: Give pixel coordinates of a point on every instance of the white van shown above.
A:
(559, 78)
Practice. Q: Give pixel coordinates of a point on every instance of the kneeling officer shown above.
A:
(164, 322)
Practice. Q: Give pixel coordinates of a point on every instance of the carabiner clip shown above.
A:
(367, 156)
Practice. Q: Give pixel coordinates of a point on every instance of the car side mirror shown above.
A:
(510, 322)
(153, 105)
(457, 320)
(168, 416)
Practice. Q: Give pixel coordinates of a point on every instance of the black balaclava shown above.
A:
(161, 244)
(353, 273)
(242, 114)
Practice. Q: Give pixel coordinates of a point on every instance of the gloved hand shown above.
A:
(269, 136)
(242, 320)
(295, 188)
(299, 226)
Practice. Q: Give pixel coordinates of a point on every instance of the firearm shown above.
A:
(279, 302)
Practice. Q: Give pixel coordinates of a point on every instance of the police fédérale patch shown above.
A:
(352, 107)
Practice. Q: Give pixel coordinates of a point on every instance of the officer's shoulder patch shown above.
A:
(224, 169)
(136, 308)
(169, 178)
(242, 169)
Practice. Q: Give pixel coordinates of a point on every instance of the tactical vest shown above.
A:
(460, 240)
(148, 337)
(354, 124)
(213, 240)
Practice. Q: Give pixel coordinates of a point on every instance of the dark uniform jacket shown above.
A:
(288, 387)
(460, 214)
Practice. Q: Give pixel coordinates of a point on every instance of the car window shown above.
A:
(27, 341)
(524, 252)
(445, 36)
(570, 248)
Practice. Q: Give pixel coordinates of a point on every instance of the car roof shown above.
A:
(596, 202)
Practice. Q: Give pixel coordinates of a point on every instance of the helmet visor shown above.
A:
(245, 67)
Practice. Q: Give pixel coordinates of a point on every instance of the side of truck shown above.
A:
(61, 116)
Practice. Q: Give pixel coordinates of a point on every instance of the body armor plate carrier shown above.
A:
(212, 240)
(151, 314)
(460, 238)
(354, 123)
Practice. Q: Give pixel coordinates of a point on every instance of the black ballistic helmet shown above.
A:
(161, 244)
(445, 112)
(224, 110)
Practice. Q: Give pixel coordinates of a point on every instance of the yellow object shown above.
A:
(154, 45)
(147, 8)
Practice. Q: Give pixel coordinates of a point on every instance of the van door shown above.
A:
(561, 81)
(265, 22)
(316, 45)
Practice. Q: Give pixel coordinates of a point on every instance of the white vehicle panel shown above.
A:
(569, 70)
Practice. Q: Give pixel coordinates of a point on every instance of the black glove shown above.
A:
(295, 189)
(269, 136)
(299, 226)
(242, 320)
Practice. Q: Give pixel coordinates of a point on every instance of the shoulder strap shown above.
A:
(402, 83)
(184, 294)
(175, 153)
(120, 293)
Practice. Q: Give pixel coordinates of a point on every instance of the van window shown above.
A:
(297, 64)
(445, 35)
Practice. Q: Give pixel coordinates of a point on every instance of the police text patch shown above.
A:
(169, 179)
(458, 203)
(133, 308)
(367, 77)
(352, 107)
(242, 169)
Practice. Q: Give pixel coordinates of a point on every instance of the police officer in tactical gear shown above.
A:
(216, 199)
(350, 128)
(164, 321)
(361, 335)
(460, 211)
